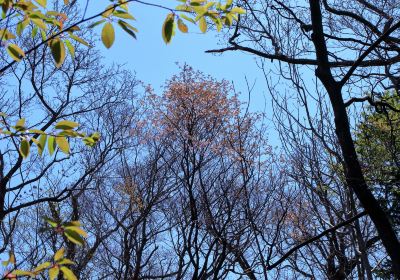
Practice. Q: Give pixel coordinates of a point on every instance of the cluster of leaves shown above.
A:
(197, 12)
(115, 13)
(50, 24)
(378, 145)
(59, 264)
(57, 139)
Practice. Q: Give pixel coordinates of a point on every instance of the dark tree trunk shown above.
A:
(354, 176)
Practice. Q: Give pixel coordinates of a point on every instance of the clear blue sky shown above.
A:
(154, 61)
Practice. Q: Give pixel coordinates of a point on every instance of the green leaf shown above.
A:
(78, 230)
(15, 52)
(19, 272)
(188, 18)
(20, 125)
(123, 14)
(74, 237)
(24, 148)
(51, 144)
(66, 125)
(66, 262)
(203, 24)
(168, 28)
(79, 40)
(127, 28)
(96, 23)
(42, 266)
(50, 221)
(63, 144)
(238, 10)
(59, 254)
(42, 3)
(21, 26)
(34, 31)
(68, 274)
(108, 35)
(53, 272)
(70, 47)
(42, 143)
(182, 26)
(58, 51)
(39, 23)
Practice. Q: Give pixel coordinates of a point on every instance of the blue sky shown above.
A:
(154, 61)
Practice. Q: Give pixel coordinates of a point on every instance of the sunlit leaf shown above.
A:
(203, 24)
(68, 274)
(74, 237)
(77, 230)
(42, 3)
(42, 143)
(71, 48)
(24, 148)
(15, 52)
(53, 272)
(63, 144)
(182, 26)
(78, 39)
(66, 262)
(238, 10)
(42, 266)
(123, 14)
(59, 254)
(66, 125)
(51, 144)
(108, 35)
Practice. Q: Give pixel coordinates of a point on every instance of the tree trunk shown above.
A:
(354, 176)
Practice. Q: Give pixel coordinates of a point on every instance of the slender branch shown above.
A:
(367, 52)
(308, 241)
(371, 102)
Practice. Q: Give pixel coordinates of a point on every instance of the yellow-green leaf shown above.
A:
(42, 266)
(66, 262)
(63, 144)
(20, 124)
(66, 125)
(77, 230)
(182, 26)
(127, 28)
(238, 10)
(71, 48)
(168, 28)
(24, 148)
(123, 14)
(203, 24)
(108, 35)
(68, 274)
(39, 23)
(78, 39)
(51, 144)
(74, 237)
(42, 3)
(19, 272)
(15, 52)
(58, 51)
(59, 254)
(53, 272)
(42, 143)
